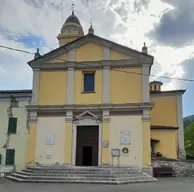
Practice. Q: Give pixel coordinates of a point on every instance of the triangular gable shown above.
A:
(86, 114)
(92, 39)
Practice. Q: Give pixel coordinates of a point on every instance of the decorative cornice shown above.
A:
(95, 107)
(163, 127)
(167, 93)
(93, 64)
(18, 94)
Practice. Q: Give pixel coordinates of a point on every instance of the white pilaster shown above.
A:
(33, 116)
(106, 77)
(35, 87)
(145, 84)
(70, 78)
(181, 145)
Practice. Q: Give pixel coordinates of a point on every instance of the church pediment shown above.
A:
(87, 117)
(88, 39)
(87, 114)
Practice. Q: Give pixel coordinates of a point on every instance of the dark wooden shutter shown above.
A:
(0, 159)
(10, 157)
(12, 126)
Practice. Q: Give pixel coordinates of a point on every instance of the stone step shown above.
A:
(80, 174)
(80, 167)
(78, 177)
(81, 170)
(63, 174)
(94, 169)
(78, 181)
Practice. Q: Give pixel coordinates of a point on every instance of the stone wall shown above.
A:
(181, 167)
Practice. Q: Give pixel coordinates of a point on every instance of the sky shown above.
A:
(167, 27)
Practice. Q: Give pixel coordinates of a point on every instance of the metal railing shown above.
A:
(33, 161)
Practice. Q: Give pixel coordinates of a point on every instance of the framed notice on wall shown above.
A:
(50, 139)
(115, 152)
(125, 138)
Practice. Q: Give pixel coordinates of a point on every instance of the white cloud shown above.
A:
(116, 20)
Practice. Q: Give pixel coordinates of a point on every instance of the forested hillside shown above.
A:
(188, 120)
(189, 135)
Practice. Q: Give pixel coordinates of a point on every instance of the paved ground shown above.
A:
(164, 185)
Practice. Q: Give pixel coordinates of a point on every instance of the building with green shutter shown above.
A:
(13, 128)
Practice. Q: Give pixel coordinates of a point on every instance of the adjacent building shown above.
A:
(13, 128)
(167, 132)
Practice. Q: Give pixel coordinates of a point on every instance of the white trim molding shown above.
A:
(35, 87)
(69, 116)
(145, 83)
(86, 119)
(181, 145)
(91, 107)
(106, 116)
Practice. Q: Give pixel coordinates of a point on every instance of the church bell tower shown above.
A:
(70, 30)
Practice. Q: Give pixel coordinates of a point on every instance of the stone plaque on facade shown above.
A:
(49, 153)
(115, 152)
(50, 139)
(125, 138)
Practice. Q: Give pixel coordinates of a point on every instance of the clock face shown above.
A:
(105, 144)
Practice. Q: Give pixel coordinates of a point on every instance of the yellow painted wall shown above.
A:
(90, 52)
(88, 98)
(52, 88)
(133, 124)
(18, 141)
(118, 56)
(164, 111)
(125, 87)
(50, 125)
(106, 137)
(168, 142)
(146, 143)
(68, 142)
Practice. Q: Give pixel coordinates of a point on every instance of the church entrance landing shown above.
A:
(87, 145)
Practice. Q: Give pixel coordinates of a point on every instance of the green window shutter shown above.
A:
(10, 157)
(0, 158)
(12, 126)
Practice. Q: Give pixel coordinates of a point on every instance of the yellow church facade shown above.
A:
(91, 105)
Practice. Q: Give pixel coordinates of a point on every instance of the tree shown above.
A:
(189, 139)
(188, 120)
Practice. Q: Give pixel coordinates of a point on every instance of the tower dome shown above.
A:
(72, 18)
(70, 30)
